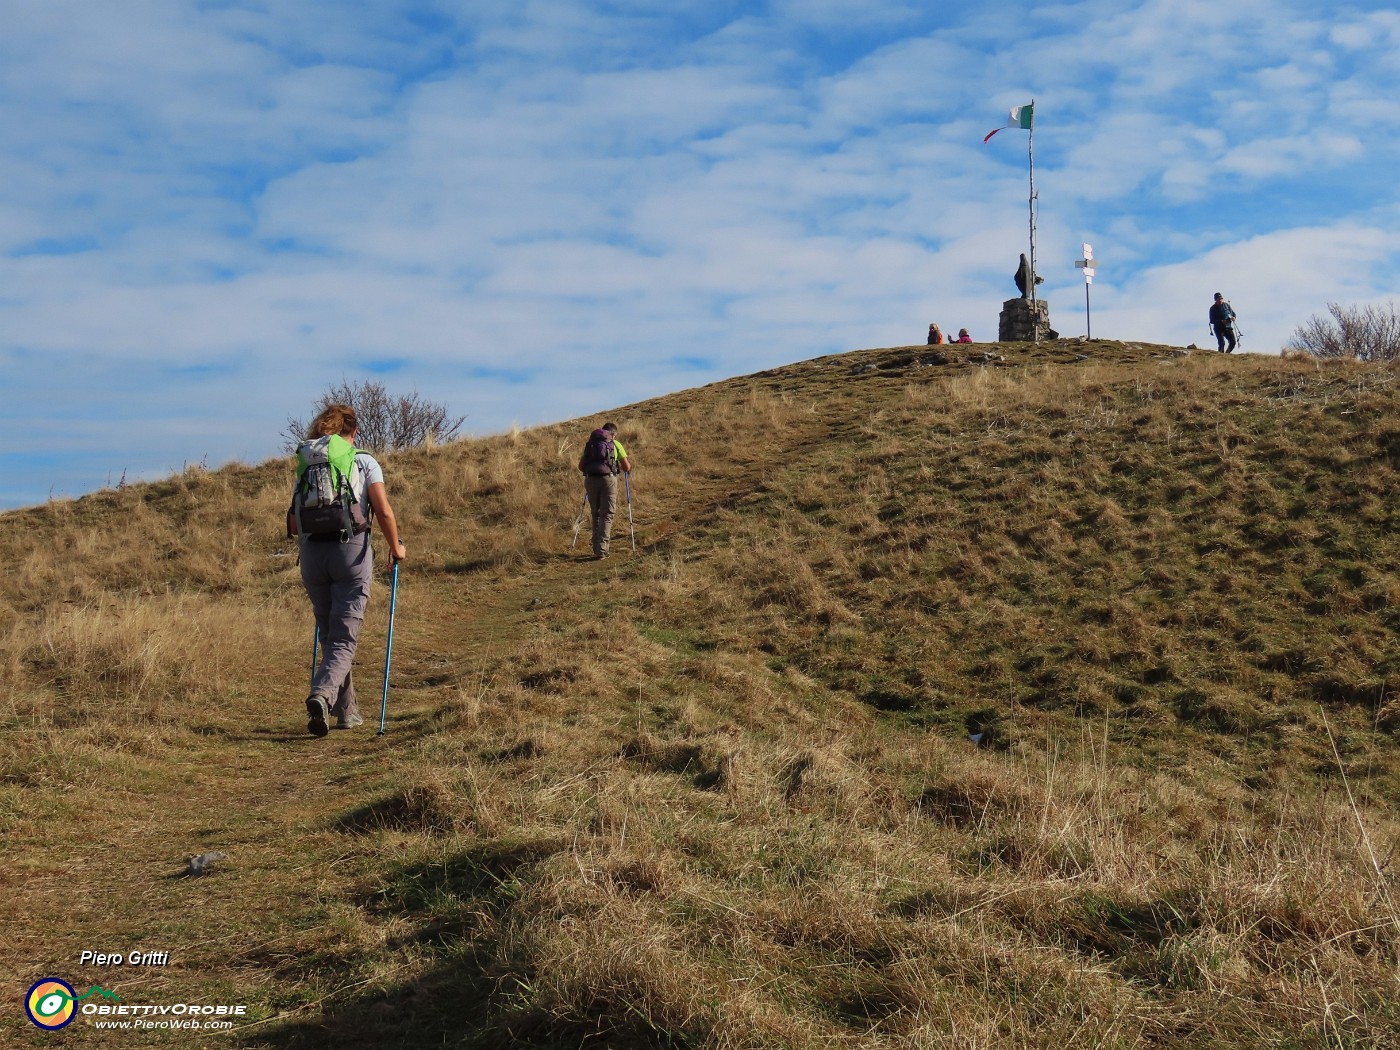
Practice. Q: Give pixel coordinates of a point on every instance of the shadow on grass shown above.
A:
(472, 993)
(398, 728)
(454, 1006)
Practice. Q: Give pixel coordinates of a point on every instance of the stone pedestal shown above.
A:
(1021, 319)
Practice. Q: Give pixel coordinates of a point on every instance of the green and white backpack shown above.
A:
(329, 497)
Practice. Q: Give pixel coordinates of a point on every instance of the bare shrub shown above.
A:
(388, 422)
(1364, 333)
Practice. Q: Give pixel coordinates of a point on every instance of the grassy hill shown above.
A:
(1043, 697)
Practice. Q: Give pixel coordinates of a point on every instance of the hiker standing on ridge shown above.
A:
(603, 457)
(1222, 322)
(339, 492)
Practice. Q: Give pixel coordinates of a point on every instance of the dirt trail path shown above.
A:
(274, 799)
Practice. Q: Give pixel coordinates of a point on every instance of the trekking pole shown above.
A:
(627, 481)
(315, 641)
(389, 648)
(578, 522)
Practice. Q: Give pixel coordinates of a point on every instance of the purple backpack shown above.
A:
(598, 454)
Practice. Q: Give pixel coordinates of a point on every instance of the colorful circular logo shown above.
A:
(51, 1003)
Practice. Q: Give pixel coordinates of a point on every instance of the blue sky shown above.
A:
(211, 210)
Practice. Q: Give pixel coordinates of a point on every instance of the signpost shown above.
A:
(1087, 265)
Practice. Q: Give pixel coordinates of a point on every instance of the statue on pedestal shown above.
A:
(1025, 320)
(1023, 277)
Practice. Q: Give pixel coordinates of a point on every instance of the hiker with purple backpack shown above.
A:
(602, 460)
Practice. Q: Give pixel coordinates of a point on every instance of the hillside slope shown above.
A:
(1040, 697)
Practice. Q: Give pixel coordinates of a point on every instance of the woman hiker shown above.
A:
(337, 561)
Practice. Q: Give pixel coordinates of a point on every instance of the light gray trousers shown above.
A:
(337, 578)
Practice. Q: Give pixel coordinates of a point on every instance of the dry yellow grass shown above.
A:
(722, 792)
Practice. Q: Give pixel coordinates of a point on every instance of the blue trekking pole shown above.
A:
(627, 482)
(389, 648)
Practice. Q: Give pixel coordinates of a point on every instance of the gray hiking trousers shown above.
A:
(337, 579)
(602, 497)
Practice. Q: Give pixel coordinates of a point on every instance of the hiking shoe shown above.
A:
(349, 721)
(316, 716)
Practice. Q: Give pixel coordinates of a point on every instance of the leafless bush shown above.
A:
(387, 422)
(1365, 333)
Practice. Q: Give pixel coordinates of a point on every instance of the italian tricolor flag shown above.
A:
(1021, 117)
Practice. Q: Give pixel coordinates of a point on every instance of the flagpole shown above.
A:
(1030, 150)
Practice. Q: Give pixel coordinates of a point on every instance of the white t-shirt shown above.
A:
(372, 473)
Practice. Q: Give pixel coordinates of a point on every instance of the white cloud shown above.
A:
(1285, 156)
(229, 199)
(1377, 29)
